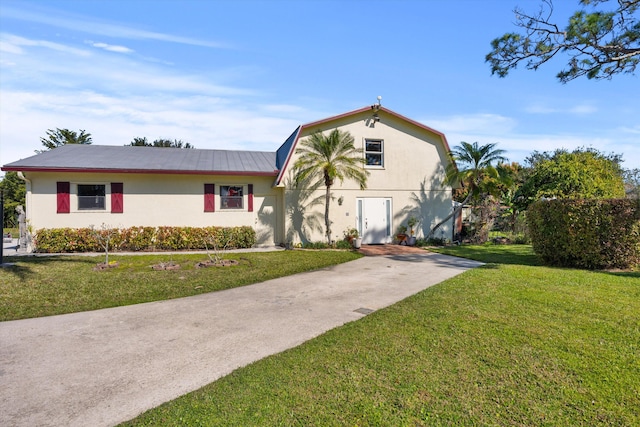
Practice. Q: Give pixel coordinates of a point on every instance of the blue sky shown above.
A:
(243, 74)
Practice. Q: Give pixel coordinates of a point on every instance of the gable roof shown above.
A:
(132, 159)
(286, 150)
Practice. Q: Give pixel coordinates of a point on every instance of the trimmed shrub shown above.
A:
(316, 245)
(61, 240)
(592, 233)
(434, 241)
(344, 244)
(57, 240)
(137, 238)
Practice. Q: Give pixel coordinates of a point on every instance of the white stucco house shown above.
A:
(124, 186)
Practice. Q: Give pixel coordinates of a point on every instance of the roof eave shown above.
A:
(140, 171)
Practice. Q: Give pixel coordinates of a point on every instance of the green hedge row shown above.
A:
(592, 234)
(59, 240)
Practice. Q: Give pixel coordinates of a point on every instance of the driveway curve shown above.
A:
(103, 367)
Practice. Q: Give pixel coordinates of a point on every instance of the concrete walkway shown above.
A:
(9, 248)
(103, 367)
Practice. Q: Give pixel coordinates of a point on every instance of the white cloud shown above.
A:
(111, 48)
(117, 98)
(583, 109)
(495, 128)
(633, 130)
(540, 109)
(8, 47)
(475, 124)
(205, 122)
(558, 108)
(283, 108)
(13, 44)
(104, 72)
(92, 26)
(521, 145)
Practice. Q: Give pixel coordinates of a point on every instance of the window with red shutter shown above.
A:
(63, 201)
(117, 200)
(91, 197)
(209, 198)
(231, 197)
(250, 202)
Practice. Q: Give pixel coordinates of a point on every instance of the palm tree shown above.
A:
(471, 166)
(326, 158)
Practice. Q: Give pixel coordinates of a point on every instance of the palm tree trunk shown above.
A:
(327, 223)
(451, 215)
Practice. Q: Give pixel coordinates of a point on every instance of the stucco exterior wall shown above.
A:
(409, 182)
(155, 200)
(412, 177)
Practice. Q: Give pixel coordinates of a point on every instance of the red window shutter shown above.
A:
(117, 200)
(63, 189)
(250, 197)
(209, 198)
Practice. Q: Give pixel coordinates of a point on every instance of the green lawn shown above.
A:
(501, 254)
(43, 286)
(508, 344)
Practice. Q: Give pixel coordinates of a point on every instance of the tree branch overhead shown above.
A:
(600, 44)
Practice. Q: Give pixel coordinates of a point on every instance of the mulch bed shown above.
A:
(166, 266)
(221, 263)
(102, 266)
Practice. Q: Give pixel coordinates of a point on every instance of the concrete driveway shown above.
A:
(103, 367)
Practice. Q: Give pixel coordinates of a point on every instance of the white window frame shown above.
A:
(368, 153)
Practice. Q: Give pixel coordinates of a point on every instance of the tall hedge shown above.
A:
(591, 233)
(60, 240)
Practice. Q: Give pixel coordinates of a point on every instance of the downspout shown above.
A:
(27, 196)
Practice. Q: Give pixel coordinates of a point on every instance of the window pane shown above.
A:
(91, 196)
(374, 159)
(90, 190)
(231, 197)
(374, 146)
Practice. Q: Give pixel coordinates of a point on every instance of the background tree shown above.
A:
(14, 191)
(59, 137)
(325, 158)
(632, 183)
(140, 142)
(511, 177)
(473, 167)
(600, 44)
(160, 142)
(580, 174)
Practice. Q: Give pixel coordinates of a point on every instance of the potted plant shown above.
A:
(401, 235)
(412, 222)
(353, 237)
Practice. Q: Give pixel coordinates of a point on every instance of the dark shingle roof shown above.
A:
(96, 158)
